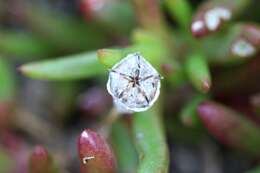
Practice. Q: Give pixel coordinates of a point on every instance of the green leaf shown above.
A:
(63, 31)
(181, 11)
(151, 143)
(72, 67)
(23, 45)
(189, 115)
(197, 70)
(7, 82)
(109, 57)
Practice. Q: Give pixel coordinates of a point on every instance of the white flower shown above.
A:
(134, 84)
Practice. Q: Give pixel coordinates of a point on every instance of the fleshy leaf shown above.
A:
(72, 67)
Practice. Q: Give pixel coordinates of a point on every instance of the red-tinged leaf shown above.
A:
(230, 127)
(17, 150)
(95, 153)
(103, 13)
(247, 43)
(211, 15)
(40, 161)
(252, 33)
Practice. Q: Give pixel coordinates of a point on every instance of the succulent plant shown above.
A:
(176, 75)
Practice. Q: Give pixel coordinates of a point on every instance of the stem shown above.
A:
(106, 124)
(123, 147)
(148, 14)
(151, 142)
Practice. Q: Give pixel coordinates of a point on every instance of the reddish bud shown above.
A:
(40, 161)
(90, 7)
(230, 127)
(95, 153)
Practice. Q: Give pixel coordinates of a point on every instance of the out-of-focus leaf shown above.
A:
(23, 45)
(230, 127)
(180, 10)
(64, 32)
(7, 82)
(198, 72)
(239, 43)
(107, 15)
(189, 115)
(72, 67)
(254, 170)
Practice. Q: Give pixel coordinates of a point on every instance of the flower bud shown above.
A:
(95, 153)
(90, 7)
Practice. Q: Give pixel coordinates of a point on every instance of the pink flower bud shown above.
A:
(95, 153)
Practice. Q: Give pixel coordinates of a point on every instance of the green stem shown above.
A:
(151, 142)
(123, 147)
(148, 13)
